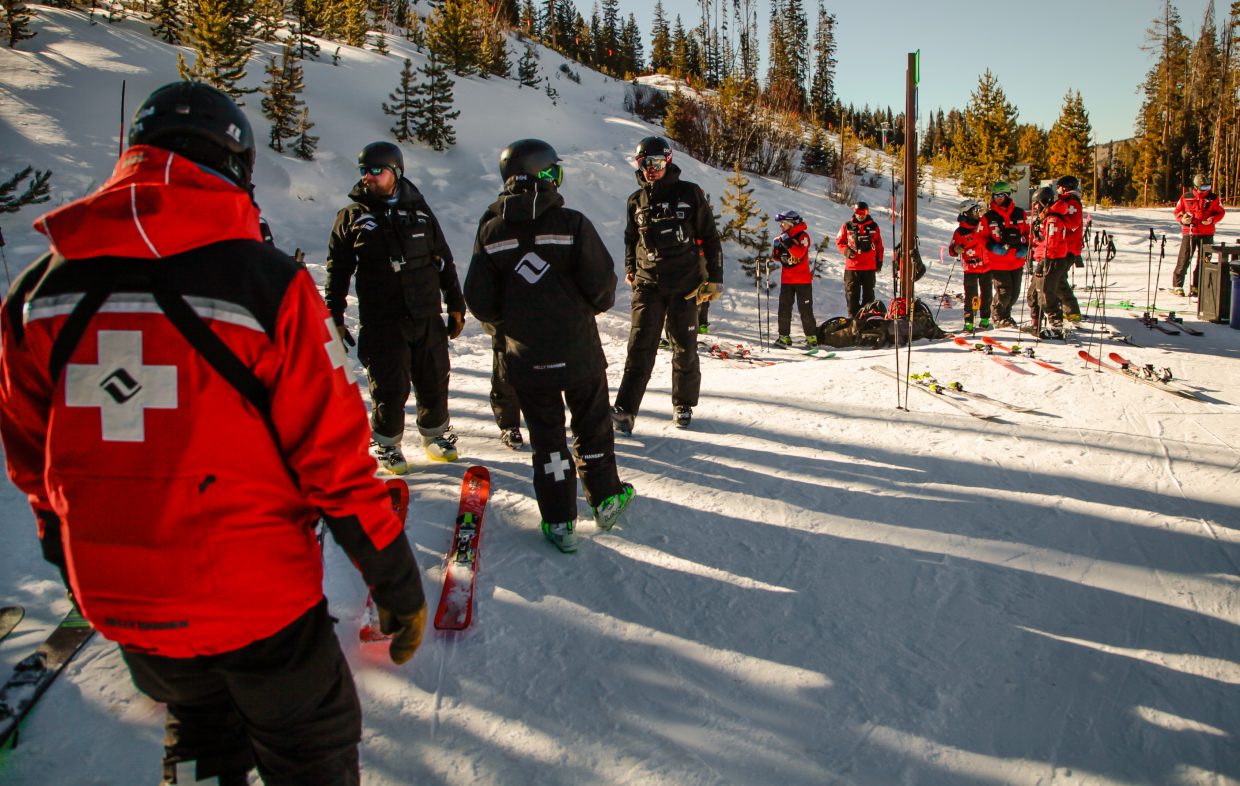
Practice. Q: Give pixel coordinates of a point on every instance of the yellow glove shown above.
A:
(457, 320)
(405, 630)
(706, 292)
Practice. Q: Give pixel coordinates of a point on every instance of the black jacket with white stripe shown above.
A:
(540, 273)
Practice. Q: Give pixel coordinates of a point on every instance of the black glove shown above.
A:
(456, 323)
(345, 335)
(405, 630)
(1078, 263)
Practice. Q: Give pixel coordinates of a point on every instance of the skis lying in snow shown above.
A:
(1153, 324)
(928, 381)
(1130, 371)
(737, 354)
(818, 353)
(986, 350)
(370, 630)
(1027, 352)
(32, 676)
(10, 616)
(1171, 318)
(938, 393)
(456, 602)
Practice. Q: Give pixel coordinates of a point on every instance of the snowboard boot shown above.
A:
(968, 327)
(1073, 318)
(622, 421)
(703, 330)
(440, 446)
(683, 416)
(1178, 291)
(389, 457)
(511, 437)
(783, 342)
(562, 536)
(608, 511)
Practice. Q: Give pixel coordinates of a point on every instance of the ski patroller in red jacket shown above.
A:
(186, 515)
(797, 246)
(865, 240)
(1202, 210)
(967, 244)
(1063, 227)
(1005, 231)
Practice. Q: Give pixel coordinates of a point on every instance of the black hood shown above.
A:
(671, 176)
(407, 195)
(525, 204)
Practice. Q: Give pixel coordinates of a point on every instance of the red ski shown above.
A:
(456, 602)
(1014, 351)
(984, 349)
(1129, 371)
(369, 631)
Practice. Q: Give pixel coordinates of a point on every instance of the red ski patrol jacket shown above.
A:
(181, 508)
(1199, 212)
(1064, 227)
(1006, 234)
(967, 244)
(792, 252)
(864, 240)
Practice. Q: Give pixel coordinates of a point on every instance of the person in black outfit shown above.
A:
(674, 262)
(540, 274)
(504, 403)
(391, 240)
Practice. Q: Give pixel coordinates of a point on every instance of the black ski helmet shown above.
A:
(1067, 183)
(861, 206)
(655, 146)
(195, 120)
(533, 159)
(1044, 196)
(384, 154)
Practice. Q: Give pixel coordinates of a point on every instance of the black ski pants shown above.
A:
(1007, 290)
(1190, 245)
(285, 703)
(1058, 297)
(652, 311)
(977, 287)
(803, 295)
(398, 356)
(594, 450)
(858, 290)
(504, 401)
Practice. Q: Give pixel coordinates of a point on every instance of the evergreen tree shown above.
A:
(818, 158)
(381, 45)
(1161, 121)
(660, 41)
(527, 68)
(434, 105)
(1068, 149)
(452, 36)
(265, 18)
(1031, 150)
(15, 22)
(356, 22)
(680, 50)
(493, 44)
(168, 24)
(986, 143)
(609, 45)
(405, 105)
(632, 58)
(281, 104)
(37, 192)
(822, 87)
(531, 24)
(747, 223)
(796, 38)
(306, 144)
(1203, 96)
(214, 28)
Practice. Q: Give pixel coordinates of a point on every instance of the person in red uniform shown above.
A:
(1064, 229)
(861, 243)
(178, 409)
(1036, 267)
(966, 245)
(796, 278)
(1198, 214)
(1006, 232)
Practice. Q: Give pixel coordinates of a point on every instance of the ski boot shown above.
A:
(562, 536)
(511, 437)
(622, 421)
(985, 323)
(608, 511)
(703, 330)
(811, 341)
(389, 457)
(683, 416)
(1178, 291)
(783, 342)
(664, 344)
(440, 447)
(968, 327)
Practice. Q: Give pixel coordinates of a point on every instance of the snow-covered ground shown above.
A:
(813, 586)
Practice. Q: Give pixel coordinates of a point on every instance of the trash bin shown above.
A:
(1235, 294)
(1215, 292)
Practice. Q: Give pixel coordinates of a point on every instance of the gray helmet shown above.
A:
(969, 206)
(195, 120)
(1200, 180)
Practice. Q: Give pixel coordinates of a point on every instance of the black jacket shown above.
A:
(399, 254)
(539, 274)
(670, 237)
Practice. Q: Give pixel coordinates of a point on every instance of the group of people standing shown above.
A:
(999, 245)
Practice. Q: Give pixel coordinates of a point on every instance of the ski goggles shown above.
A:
(553, 174)
(863, 212)
(373, 171)
(650, 162)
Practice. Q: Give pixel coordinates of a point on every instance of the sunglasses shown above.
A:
(373, 171)
(657, 164)
(553, 174)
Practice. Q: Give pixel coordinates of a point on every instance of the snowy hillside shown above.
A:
(812, 587)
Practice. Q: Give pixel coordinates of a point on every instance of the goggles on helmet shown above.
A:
(553, 174)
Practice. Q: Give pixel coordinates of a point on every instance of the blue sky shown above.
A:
(1038, 50)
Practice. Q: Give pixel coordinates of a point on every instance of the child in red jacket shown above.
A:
(791, 251)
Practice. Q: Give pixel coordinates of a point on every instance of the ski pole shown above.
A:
(5, 257)
(1149, 262)
(757, 295)
(1162, 250)
(951, 270)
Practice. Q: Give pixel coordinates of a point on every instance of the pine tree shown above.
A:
(304, 24)
(214, 28)
(37, 192)
(381, 45)
(493, 44)
(660, 41)
(527, 68)
(265, 18)
(405, 105)
(168, 24)
(1031, 150)
(1068, 149)
(432, 108)
(306, 144)
(818, 158)
(680, 50)
(1161, 121)
(356, 22)
(452, 36)
(986, 143)
(632, 59)
(285, 82)
(15, 22)
(822, 88)
(747, 225)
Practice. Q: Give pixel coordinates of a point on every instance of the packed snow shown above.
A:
(826, 580)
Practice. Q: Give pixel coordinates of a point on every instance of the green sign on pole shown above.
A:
(917, 68)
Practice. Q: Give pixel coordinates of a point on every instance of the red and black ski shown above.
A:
(1129, 371)
(399, 492)
(985, 349)
(456, 602)
(1018, 353)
